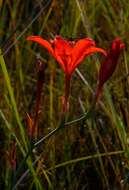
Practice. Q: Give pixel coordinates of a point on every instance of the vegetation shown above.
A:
(91, 152)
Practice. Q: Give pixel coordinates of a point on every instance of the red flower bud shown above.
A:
(108, 67)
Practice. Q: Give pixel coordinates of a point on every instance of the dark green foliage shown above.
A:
(106, 132)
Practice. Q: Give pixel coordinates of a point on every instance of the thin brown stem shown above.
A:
(40, 81)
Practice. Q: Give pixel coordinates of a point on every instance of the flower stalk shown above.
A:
(67, 93)
(40, 82)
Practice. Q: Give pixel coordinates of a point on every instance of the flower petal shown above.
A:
(80, 48)
(42, 42)
(60, 61)
(62, 51)
(86, 53)
(62, 47)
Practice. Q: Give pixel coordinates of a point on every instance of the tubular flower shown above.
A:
(108, 67)
(69, 54)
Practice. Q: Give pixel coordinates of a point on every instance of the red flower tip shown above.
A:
(42, 42)
(117, 44)
(107, 67)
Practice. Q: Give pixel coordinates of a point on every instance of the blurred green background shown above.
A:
(87, 156)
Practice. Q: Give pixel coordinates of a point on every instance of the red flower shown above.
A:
(69, 54)
(107, 67)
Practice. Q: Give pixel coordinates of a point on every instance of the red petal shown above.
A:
(42, 42)
(92, 50)
(62, 47)
(86, 53)
(80, 48)
(62, 51)
(60, 61)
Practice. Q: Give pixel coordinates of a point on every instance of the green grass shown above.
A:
(83, 155)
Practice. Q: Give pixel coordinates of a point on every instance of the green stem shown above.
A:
(86, 158)
(38, 143)
(85, 116)
(69, 162)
